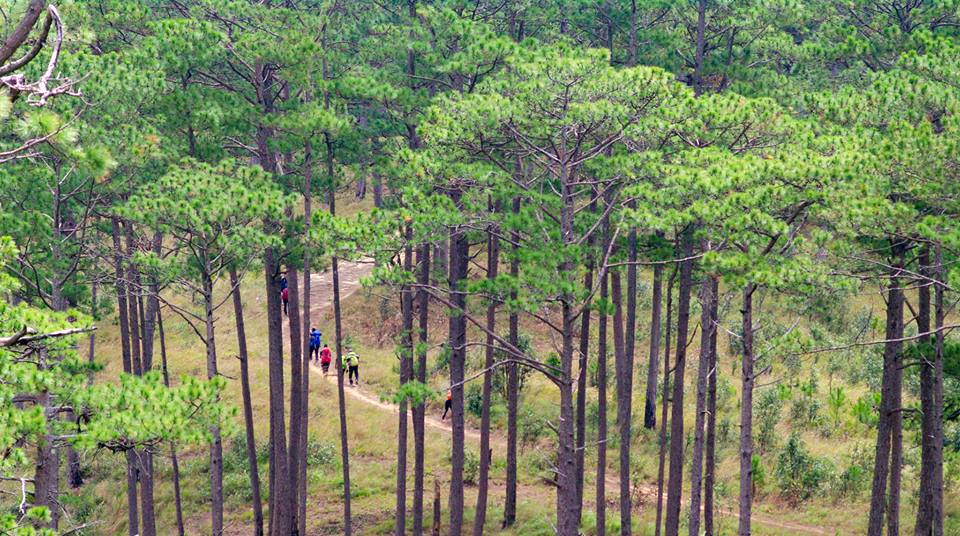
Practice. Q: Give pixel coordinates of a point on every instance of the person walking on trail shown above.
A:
(351, 363)
(285, 297)
(325, 359)
(315, 345)
(448, 405)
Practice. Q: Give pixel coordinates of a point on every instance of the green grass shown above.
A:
(371, 321)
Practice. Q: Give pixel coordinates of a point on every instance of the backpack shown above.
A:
(315, 339)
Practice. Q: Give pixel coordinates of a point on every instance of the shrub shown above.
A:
(236, 488)
(768, 410)
(474, 399)
(951, 469)
(850, 481)
(83, 506)
(806, 409)
(799, 474)
(855, 477)
(758, 473)
(235, 454)
(322, 454)
(724, 431)
(836, 400)
(471, 466)
(865, 409)
(531, 427)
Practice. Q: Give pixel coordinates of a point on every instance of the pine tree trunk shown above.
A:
(132, 311)
(134, 314)
(623, 411)
(58, 303)
(441, 259)
(150, 312)
(566, 462)
(338, 327)
(582, 386)
(747, 378)
(709, 478)
(406, 357)
(133, 509)
(419, 411)
(625, 396)
(936, 458)
(436, 507)
(148, 516)
(136, 321)
(133, 515)
(46, 480)
(513, 387)
(305, 331)
(703, 369)
(896, 430)
(76, 472)
(602, 401)
(294, 452)
(650, 404)
(927, 425)
(675, 482)
(661, 467)
(178, 504)
(377, 190)
(889, 403)
(459, 254)
(46, 488)
(216, 444)
(493, 261)
(406, 375)
(567, 512)
(280, 496)
(256, 501)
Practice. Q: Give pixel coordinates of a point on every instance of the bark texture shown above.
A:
(675, 482)
(493, 262)
(256, 501)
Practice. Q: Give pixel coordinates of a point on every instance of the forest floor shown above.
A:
(371, 323)
(350, 275)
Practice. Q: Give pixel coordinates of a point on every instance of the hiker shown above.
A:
(351, 363)
(314, 344)
(325, 359)
(285, 297)
(448, 405)
(283, 282)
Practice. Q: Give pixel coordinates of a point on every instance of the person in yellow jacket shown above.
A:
(351, 364)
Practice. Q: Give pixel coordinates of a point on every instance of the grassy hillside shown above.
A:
(833, 458)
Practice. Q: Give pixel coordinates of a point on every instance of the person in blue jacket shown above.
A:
(315, 344)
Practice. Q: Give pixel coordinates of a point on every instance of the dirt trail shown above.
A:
(321, 299)
(350, 274)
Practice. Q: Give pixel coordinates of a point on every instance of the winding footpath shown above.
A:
(321, 300)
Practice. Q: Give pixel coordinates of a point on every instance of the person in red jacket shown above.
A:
(285, 296)
(325, 359)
